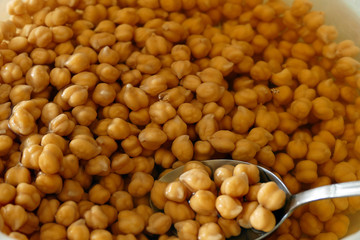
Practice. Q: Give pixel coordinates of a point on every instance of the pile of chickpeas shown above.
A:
(97, 97)
(202, 208)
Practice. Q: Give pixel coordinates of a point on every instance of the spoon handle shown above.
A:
(347, 189)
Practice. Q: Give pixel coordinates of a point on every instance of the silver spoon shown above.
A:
(348, 189)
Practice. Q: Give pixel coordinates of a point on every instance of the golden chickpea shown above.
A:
(262, 219)
(99, 165)
(306, 171)
(178, 211)
(135, 98)
(78, 230)
(130, 222)
(230, 228)
(9, 193)
(210, 231)
(187, 229)
(223, 141)
(27, 196)
(189, 113)
(61, 125)
(48, 183)
(277, 199)
(310, 224)
(203, 202)
(341, 222)
(148, 64)
(235, 186)
(52, 230)
(152, 138)
(199, 46)
(69, 188)
(77, 62)
(47, 210)
(242, 120)
(182, 148)
(67, 213)
(40, 36)
(96, 218)
(99, 194)
(196, 179)
(246, 97)
(245, 150)
(84, 147)
(14, 216)
(228, 207)
(140, 184)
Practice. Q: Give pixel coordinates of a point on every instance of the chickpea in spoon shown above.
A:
(222, 198)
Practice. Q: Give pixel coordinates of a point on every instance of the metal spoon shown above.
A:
(348, 189)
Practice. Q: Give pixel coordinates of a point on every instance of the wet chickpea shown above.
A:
(135, 98)
(9, 193)
(78, 230)
(159, 223)
(210, 230)
(182, 148)
(14, 216)
(228, 207)
(130, 222)
(52, 229)
(140, 184)
(27, 196)
(159, 74)
(235, 186)
(262, 219)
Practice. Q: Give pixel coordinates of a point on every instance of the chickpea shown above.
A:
(229, 227)
(47, 210)
(71, 191)
(77, 62)
(235, 186)
(52, 230)
(343, 172)
(159, 223)
(242, 120)
(203, 202)
(78, 230)
(310, 224)
(182, 148)
(84, 147)
(207, 126)
(27, 196)
(187, 229)
(196, 179)
(262, 219)
(210, 231)
(250, 170)
(61, 125)
(223, 141)
(228, 207)
(9, 193)
(130, 222)
(341, 221)
(14, 216)
(209, 92)
(96, 218)
(157, 194)
(306, 171)
(40, 36)
(140, 184)
(152, 138)
(67, 213)
(277, 199)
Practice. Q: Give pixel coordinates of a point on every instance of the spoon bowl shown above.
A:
(292, 202)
